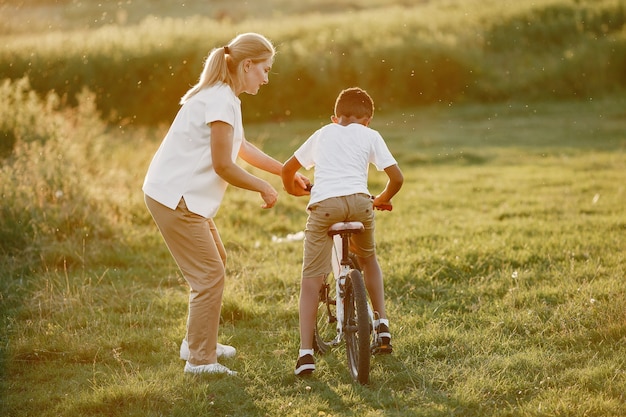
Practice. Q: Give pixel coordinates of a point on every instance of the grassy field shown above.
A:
(504, 262)
(504, 256)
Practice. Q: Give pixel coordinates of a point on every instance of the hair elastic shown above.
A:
(226, 50)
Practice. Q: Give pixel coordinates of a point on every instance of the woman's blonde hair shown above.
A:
(225, 64)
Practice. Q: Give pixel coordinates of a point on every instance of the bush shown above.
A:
(562, 50)
(557, 26)
(431, 52)
(47, 204)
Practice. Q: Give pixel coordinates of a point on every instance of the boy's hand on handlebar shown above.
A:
(305, 183)
(382, 205)
(302, 181)
(302, 185)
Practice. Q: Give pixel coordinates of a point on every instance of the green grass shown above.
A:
(504, 264)
(504, 257)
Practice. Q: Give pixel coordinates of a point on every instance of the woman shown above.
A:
(189, 174)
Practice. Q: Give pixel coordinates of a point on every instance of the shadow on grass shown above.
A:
(14, 286)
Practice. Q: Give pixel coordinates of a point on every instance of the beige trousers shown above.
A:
(195, 244)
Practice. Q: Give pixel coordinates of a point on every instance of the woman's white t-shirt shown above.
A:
(341, 156)
(183, 165)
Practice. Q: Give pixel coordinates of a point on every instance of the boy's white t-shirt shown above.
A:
(183, 165)
(341, 156)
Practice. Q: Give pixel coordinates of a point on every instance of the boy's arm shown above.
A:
(291, 181)
(393, 186)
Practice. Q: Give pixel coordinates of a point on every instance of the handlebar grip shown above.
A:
(384, 207)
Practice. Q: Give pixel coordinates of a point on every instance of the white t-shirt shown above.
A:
(341, 156)
(183, 165)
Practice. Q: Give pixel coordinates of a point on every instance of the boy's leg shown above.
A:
(364, 246)
(316, 261)
(309, 301)
(373, 277)
(315, 266)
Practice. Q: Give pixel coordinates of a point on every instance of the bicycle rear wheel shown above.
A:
(357, 328)
(326, 324)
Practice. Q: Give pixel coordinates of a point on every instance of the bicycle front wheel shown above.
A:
(357, 327)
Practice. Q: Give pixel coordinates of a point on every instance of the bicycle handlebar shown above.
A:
(382, 207)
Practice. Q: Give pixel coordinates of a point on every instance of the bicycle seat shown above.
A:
(345, 227)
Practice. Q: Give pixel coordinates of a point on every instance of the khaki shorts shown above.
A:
(322, 215)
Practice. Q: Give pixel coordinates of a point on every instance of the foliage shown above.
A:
(48, 204)
(423, 53)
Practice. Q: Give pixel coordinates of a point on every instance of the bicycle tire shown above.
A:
(357, 328)
(354, 262)
(326, 319)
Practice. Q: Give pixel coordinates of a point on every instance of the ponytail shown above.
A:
(225, 64)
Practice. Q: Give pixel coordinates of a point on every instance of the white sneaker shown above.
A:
(212, 368)
(223, 351)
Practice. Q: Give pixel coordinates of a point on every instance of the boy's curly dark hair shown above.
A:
(354, 102)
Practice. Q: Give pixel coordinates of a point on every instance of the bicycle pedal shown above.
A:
(382, 349)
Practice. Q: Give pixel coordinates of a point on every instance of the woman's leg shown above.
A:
(191, 241)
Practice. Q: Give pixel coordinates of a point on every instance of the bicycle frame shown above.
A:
(341, 266)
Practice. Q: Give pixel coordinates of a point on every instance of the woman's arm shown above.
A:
(259, 159)
(221, 150)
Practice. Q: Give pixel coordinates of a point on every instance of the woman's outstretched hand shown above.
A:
(269, 196)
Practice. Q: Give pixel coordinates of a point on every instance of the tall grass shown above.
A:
(406, 55)
(47, 173)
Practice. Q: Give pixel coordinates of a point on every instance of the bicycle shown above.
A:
(344, 311)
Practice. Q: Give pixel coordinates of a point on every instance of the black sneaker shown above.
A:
(305, 365)
(382, 344)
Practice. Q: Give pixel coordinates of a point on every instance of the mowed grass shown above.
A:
(504, 261)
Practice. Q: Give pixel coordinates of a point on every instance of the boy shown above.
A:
(341, 153)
